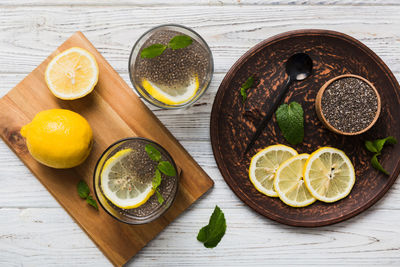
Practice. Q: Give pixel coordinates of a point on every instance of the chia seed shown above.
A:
(349, 104)
(141, 167)
(173, 70)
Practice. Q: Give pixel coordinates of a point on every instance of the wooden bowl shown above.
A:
(325, 122)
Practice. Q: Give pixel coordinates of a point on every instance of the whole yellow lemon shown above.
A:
(58, 138)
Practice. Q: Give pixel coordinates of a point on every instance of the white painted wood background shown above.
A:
(36, 231)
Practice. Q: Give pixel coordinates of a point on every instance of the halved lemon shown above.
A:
(121, 186)
(172, 96)
(72, 74)
(263, 167)
(329, 174)
(289, 183)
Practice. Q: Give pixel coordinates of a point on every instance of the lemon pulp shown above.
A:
(72, 74)
(329, 174)
(289, 183)
(121, 185)
(171, 96)
(263, 167)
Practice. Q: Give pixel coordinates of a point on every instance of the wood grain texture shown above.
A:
(114, 112)
(30, 29)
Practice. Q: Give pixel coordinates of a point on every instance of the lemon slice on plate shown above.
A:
(120, 186)
(72, 74)
(289, 183)
(329, 174)
(171, 96)
(264, 164)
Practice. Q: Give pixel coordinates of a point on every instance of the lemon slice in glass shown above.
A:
(329, 174)
(121, 186)
(263, 167)
(172, 96)
(289, 183)
(72, 74)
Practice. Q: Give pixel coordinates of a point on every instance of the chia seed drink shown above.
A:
(142, 169)
(175, 78)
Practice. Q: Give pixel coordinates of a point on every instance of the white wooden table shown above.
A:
(36, 231)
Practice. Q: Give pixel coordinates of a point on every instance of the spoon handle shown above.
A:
(267, 117)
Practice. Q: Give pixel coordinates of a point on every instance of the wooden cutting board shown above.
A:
(114, 111)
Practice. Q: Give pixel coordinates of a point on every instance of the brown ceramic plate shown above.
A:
(233, 123)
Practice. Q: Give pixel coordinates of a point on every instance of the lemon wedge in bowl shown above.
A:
(120, 185)
(329, 174)
(72, 74)
(172, 96)
(289, 183)
(264, 165)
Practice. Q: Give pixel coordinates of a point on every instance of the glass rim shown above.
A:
(107, 150)
(194, 99)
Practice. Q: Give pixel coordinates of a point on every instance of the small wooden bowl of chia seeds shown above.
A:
(348, 104)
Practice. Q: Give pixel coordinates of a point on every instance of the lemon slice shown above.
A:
(329, 174)
(264, 164)
(72, 74)
(119, 184)
(289, 183)
(172, 96)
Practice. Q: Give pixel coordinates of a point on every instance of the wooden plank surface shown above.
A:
(114, 112)
(35, 230)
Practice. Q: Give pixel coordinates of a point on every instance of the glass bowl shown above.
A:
(197, 57)
(151, 209)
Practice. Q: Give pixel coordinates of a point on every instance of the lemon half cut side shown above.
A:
(72, 74)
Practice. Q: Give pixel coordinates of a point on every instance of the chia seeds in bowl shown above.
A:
(348, 105)
(174, 71)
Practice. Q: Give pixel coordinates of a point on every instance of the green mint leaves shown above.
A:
(153, 153)
(164, 167)
(153, 51)
(291, 122)
(180, 41)
(177, 42)
(212, 233)
(84, 191)
(376, 147)
(245, 86)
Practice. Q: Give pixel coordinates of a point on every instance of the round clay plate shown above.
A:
(234, 122)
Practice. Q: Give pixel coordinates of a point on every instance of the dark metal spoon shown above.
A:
(298, 67)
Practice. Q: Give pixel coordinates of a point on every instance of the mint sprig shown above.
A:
(291, 122)
(212, 233)
(177, 42)
(245, 86)
(376, 147)
(164, 167)
(84, 192)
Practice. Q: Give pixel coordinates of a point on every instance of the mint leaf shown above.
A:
(153, 153)
(156, 179)
(180, 41)
(83, 189)
(245, 86)
(166, 168)
(159, 197)
(379, 143)
(244, 94)
(369, 145)
(153, 51)
(212, 233)
(92, 202)
(291, 122)
(377, 165)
